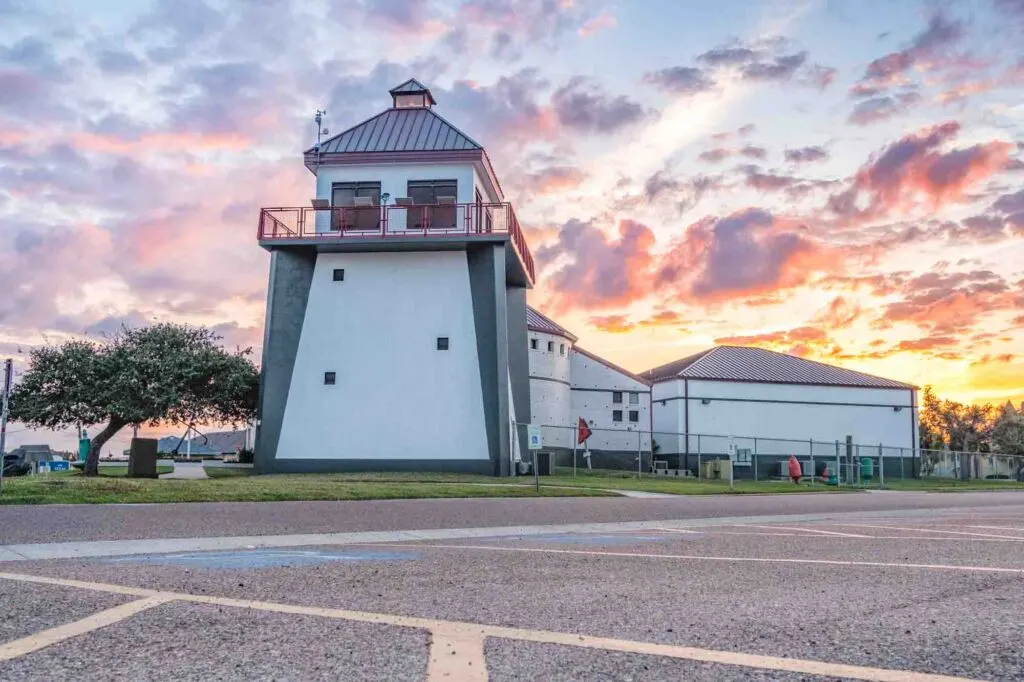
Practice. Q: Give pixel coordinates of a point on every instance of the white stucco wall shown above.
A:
(785, 411)
(396, 396)
(550, 396)
(593, 384)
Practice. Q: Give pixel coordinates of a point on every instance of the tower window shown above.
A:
(551, 346)
(617, 397)
(533, 344)
(634, 416)
(442, 343)
(634, 398)
(616, 415)
(339, 274)
(561, 349)
(330, 378)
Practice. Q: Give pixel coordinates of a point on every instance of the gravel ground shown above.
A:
(104, 522)
(26, 608)
(511, 661)
(957, 622)
(198, 642)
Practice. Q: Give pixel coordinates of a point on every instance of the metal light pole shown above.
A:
(4, 397)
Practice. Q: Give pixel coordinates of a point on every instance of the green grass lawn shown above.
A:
(596, 480)
(241, 485)
(73, 488)
(950, 485)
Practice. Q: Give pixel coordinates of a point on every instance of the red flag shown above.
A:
(584, 431)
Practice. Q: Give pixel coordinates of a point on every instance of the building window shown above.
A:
(533, 344)
(616, 415)
(405, 101)
(339, 274)
(561, 349)
(442, 343)
(359, 204)
(330, 378)
(551, 346)
(617, 398)
(440, 196)
(634, 398)
(634, 416)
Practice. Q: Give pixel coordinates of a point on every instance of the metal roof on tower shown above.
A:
(747, 364)
(401, 129)
(538, 322)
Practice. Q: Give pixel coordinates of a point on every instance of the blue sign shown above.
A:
(59, 466)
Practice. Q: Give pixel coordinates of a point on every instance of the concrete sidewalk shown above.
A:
(189, 470)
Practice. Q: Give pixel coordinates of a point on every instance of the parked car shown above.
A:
(15, 465)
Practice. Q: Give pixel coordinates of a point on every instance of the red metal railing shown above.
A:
(395, 221)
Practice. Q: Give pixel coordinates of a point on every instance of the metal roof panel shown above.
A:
(745, 363)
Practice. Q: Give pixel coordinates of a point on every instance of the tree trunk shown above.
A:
(92, 460)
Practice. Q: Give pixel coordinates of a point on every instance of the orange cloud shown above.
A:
(160, 142)
(598, 23)
(615, 324)
(914, 168)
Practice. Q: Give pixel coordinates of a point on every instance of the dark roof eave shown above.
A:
(359, 158)
(683, 376)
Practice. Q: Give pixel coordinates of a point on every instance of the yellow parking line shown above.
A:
(454, 634)
(41, 640)
(456, 653)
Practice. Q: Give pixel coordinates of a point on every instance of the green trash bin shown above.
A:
(867, 468)
(83, 449)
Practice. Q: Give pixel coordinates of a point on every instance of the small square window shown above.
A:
(617, 398)
(634, 398)
(442, 343)
(634, 416)
(533, 344)
(330, 378)
(616, 415)
(551, 346)
(339, 274)
(561, 349)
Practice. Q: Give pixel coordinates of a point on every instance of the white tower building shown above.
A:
(396, 331)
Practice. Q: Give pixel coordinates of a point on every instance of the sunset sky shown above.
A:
(836, 179)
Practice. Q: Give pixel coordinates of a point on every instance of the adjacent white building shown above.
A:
(776, 404)
(568, 383)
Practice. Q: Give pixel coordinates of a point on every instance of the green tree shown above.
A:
(962, 427)
(166, 373)
(1008, 430)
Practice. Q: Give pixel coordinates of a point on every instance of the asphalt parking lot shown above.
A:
(892, 593)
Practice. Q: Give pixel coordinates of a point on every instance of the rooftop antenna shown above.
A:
(320, 131)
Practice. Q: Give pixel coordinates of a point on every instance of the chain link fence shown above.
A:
(703, 456)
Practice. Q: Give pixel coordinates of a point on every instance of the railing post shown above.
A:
(699, 475)
(839, 472)
(810, 451)
(881, 467)
(575, 441)
(754, 457)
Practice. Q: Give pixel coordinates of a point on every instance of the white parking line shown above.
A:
(734, 559)
(802, 530)
(929, 530)
(455, 634)
(1011, 529)
(41, 640)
